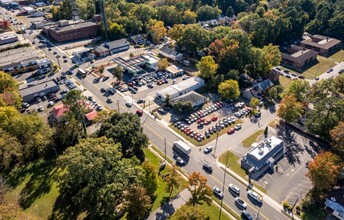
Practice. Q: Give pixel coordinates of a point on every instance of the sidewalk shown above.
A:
(165, 211)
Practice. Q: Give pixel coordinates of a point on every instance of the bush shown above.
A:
(287, 206)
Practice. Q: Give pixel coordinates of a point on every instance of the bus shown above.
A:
(82, 72)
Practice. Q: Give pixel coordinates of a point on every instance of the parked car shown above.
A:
(217, 192)
(102, 90)
(214, 118)
(108, 100)
(140, 101)
(139, 112)
(129, 104)
(180, 161)
(234, 189)
(238, 127)
(25, 105)
(208, 149)
(255, 196)
(231, 131)
(241, 203)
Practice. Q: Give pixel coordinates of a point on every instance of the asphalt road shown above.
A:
(157, 133)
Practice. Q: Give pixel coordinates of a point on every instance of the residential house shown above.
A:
(59, 111)
(257, 90)
(195, 98)
(322, 44)
(138, 39)
(171, 53)
(297, 56)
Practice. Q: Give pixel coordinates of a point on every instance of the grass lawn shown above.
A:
(320, 68)
(206, 140)
(338, 57)
(284, 81)
(253, 138)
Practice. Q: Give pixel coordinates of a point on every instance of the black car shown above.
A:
(102, 90)
(246, 215)
(207, 168)
(106, 78)
(108, 100)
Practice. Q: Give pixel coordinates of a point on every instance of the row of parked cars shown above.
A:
(94, 104)
(202, 113)
(189, 132)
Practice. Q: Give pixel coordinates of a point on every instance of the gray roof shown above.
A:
(117, 44)
(59, 29)
(192, 96)
(100, 49)
(137, 38)
(265, 84)
(322, 42)
(298, 54)
(169, 50)
(38, 88)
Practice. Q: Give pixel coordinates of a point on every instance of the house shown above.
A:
(8, 38)
(138, 39)
(334, 203)
(297, 56)
(180, 88)
(171, 53)
(262, 156)
(29, 93)
(28, 10)
(257, 90)
(83, 55)
(112, 47)
(59, 111)
(195, 98)
(322, 44)
(174, 71)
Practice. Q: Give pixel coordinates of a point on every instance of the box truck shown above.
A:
(183, 147)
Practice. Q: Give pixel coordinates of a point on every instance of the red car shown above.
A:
(200, 120)
(231, 131)
(139, 113)
(206, 122)
(214, 118)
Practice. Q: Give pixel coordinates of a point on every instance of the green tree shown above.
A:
(337, 137)
(118, 73)
(138, 203)
(254, 103)
(189, 17)
(183, 107)
(144, 13)
(169, 15)
(299, 88)
(207, 12)
(187, 212)
(66, 134)
(96, 177)
(207, 67)
(229, 89)
(324, 170)
(126, 129)
(7, 82)
(9, 95)
(157, 30)
(192, 37)
(162, 64)
(172, 180)
(11, 151)
(290, 109)
(116, 31)
(150, 179)
(200, 191)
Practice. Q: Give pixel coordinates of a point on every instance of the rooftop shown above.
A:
(298, 54)
(151, 59)
(131, 65)
(59, 29)
(335, 200)
(259, 151)
(169, 50)
(17, 55)
(37, 88)
(322, 42)
(174, 69)
(192, 81)
(192, 96)
(117, 43)
(7, 36)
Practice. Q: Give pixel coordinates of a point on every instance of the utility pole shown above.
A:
(223, 184)
(165, 147)
(117, 106)
(217, 137)
(149, 107)
(298, 198)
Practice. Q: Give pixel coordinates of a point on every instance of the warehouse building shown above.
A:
(29, 93)
(112, 47)
(8, 38)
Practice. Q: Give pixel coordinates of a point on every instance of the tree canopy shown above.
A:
(200, 191)
(290, 109)
(229, 89)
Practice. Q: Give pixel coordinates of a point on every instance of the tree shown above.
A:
(299, 88)
(189, 17)
(337, 136)
(207, 12)
(230, 11)
(9, 95)
(207, 67)
(96, 177)
(118, 73)
(157, 30)
(144, 13)
(200, 191)
(138, 203)
(290, 109)
(254, 103)
(116, 31)
(11, 151)
(150, 181)
(183, 107)
(7, 82)
(324, 170)
(162, 64)
(169, 15)
(172, 180)
(187, 212)
(126, 129)
(66, 134)
(229, 89)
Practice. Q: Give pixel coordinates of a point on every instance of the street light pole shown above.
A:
(165, 147)
(223, 184)
(118, 106)
(217, 137)
(298, 198)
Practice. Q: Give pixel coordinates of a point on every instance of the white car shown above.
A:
(129, 104)
(241, 203)
(217, 192)
(234, 189)
(238, 127)
(255, 196)
(208, 149)
(180, 161)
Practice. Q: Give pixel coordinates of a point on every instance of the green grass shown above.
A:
(320, 68)
(284, 81)
(206, 140)
(253, 138)
(234, 165)
(338, 57)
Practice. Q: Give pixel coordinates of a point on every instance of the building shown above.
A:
(170, 53)
(180, 88)
(322, 44)
(175, 71)
(58, 112)
(8, 38)
(262, 156)
(257, 90)
(138, 39)
(195, 98)
(83, 55)
(133, 65)
(112, 47)
(297, 56)
(29, 93)
(334, 203)
(28, 65)
(44, 65)
(28, 10)
(67, 32)
(152, 62)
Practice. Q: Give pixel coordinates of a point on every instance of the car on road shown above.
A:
(255, 196)
(234, 189)
(25, 105)
(241, 203)
(40, 108)
(231, 131)
(58, 56)
(180, 161)
(207, 168)
(64, 57)
(129, 104)
(65, 61)
(102, 90)
(49, 49)
(108, 100)
(106, 78)
(140, 101)
(329, 70)
(238, 127)
(245, 215)
(217, 192)
(341, 71)
(139, 112)
(55, 52)
(208, 149)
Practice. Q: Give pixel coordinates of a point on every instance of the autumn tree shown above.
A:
(324, 170)
(157, 30)
(199, 189)
(229, 89)
(254, 102)
(290, 109)
(9, 94)
(337, 136)
(138, 203)
(172, 180)
(162, 64)
(299, 88)
(189, 17)
(207, 67)
(188, 212)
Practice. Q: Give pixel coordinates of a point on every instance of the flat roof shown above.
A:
(192, 81)
(151, 59)
(322, 42)
(7, 36)
(86, 24)
(174, 69)
(263, 148)
(37, 88)
(131, 65)
(18, 55)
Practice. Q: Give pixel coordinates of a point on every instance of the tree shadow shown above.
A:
(64, 209)
(166, 210)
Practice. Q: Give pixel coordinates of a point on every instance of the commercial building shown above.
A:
(112, 47)
(297, 56)
(322, 44)
(180, 88)
(262, 156)
(152, 62)
(195, 98)
(67, 32)
(42, 65)
(171, 53)
(133, 65)
(28, 10)
(29, 93)
(257, 90)
(334, 203)
(8, 38)
(175, 71)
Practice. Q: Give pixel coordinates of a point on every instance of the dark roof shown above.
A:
(100, 49)
(38, 88)
(117, 44)
(137, 38)
(298, 54)
(86, 24)
(322, 42)
(169, 50)
(265, 84)
(14, 64)
(192, 96)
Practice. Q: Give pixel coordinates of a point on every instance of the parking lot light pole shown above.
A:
(117, 106)
(223, 185)
(217, 137)
(165, 147)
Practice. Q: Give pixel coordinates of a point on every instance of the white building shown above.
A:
(180, 88)
(44, 65)
(8, 38)
(175, 71)
(152, 62)
(170, 53)
(195, 98)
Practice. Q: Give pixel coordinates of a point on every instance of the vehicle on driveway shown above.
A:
(254, 196)
(234, 189)
(208, 149)
(241, 203)
(129, 104)
(217, 192)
